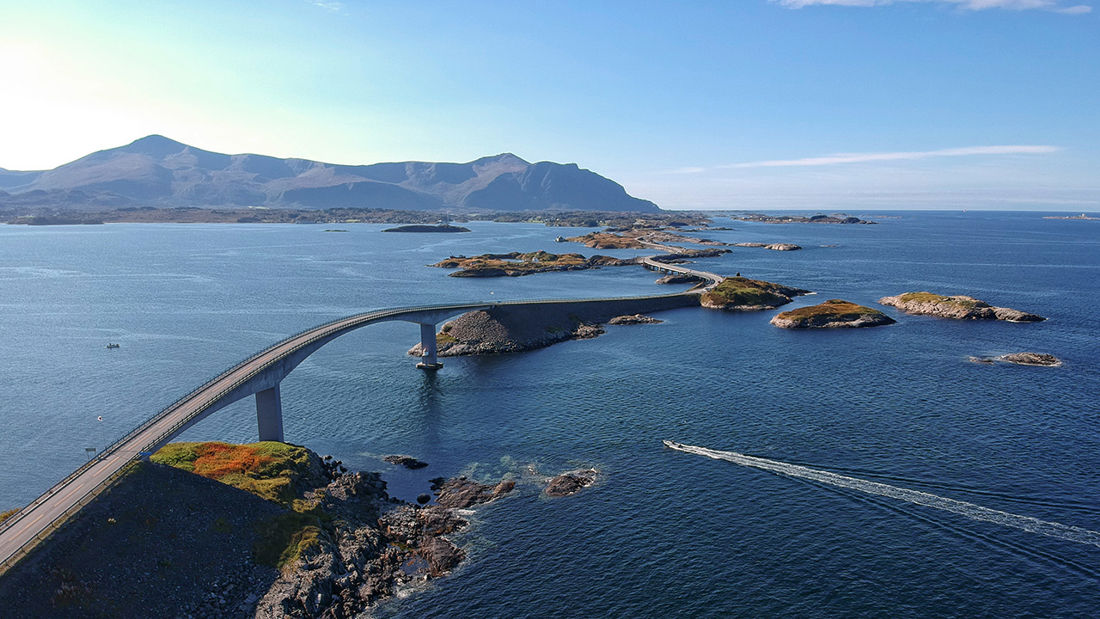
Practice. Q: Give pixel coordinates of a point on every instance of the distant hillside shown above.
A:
(157, 171)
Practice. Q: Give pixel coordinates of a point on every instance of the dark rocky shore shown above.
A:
(305, 541)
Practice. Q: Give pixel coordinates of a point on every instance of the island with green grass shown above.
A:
(832, 314)
(515, 264)
(959, 307)
(744, 294)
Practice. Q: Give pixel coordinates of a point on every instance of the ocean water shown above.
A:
(663, 532)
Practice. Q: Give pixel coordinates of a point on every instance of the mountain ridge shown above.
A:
(158, 171)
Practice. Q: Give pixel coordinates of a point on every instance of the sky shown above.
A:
(735, 104)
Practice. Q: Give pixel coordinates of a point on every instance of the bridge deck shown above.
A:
(37, 520)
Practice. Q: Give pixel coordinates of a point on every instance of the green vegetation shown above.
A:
(742, 291)
(8, 514)
(442, 339)
(271, 470)
(284, 538)
(514, 264)
(928, 297)
(833, 310)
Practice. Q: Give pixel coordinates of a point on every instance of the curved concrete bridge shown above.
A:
(260, 375)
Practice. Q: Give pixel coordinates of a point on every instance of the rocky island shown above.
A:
(839, 218)
(834, 313)
(1023, 358)
(959, 307)
(515, 264)
(771, 246)
(637, 238)
(427, 228)
(265, 530)
(744, 294)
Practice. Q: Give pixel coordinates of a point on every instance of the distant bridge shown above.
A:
(260, 375)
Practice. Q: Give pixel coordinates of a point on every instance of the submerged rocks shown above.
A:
(744, 294)
(635, 319)
(959, 307)
(408, 462)
(834, 313)
(570, 482)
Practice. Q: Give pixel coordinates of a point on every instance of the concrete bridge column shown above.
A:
(269, 414)
(427, 342)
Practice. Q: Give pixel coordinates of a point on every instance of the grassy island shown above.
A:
(515, 264)
(960, 307)
(831, 314)
(744, 294)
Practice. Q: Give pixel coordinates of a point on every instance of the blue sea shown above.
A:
(662, 532)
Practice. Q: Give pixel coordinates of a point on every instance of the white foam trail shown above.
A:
(970, 510)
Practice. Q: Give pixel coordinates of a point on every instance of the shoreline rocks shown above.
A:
(959, 307)
(834, 313)
(635, 319)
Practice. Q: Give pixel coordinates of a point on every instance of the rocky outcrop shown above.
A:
(570, 482)
(633, 319)
(959, 307)
(366, 557)
(772, 246)
(679, 278)
(1031, 358)
(744, 294)
(461, 492)
(832, 314)
(515, 328)
(408, 462)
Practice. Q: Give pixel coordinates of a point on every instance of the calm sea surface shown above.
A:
(663, 533)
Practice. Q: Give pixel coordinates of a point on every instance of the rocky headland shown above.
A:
(744, 294)
(515, 264)
(220, 530)
(832, 314)
(959, 307)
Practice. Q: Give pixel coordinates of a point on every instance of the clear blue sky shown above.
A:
(732, 104)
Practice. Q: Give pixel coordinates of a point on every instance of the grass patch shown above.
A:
(284, 538)
(745, 291)
(836, 309)
(442, 338)
(269, 469)
(928, 297)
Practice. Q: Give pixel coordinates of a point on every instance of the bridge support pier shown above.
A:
(269, 414)
(429, 361)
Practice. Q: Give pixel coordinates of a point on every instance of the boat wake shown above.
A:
(963, 508)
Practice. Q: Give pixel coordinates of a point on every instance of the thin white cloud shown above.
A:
(1057, 6)
(330, 5)
(842, 158)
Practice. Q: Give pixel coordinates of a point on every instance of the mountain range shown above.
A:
(157, 171)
